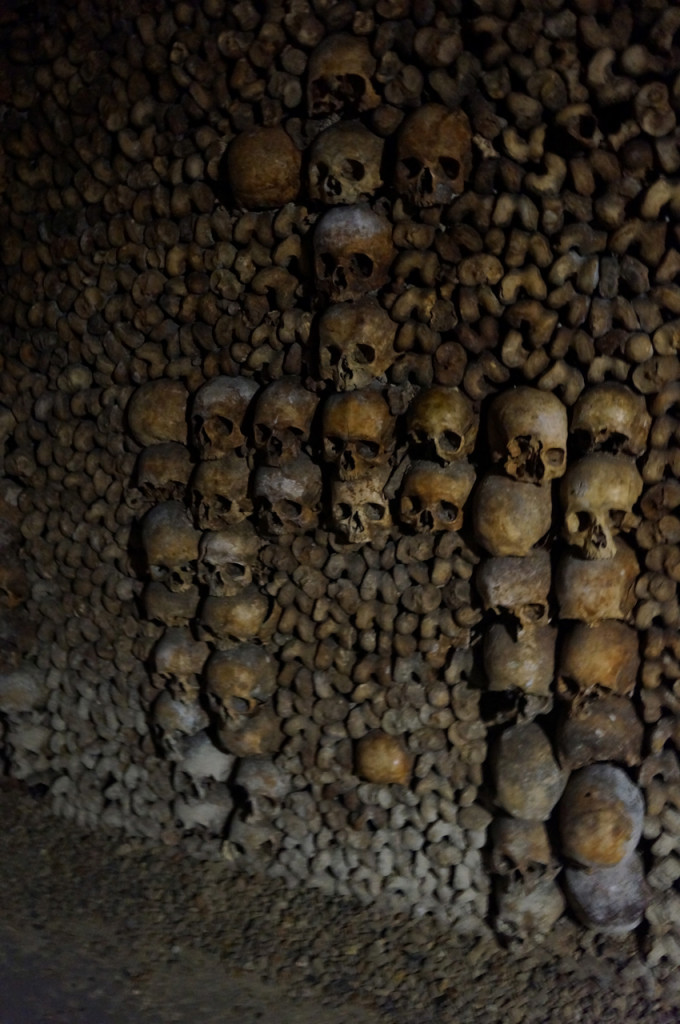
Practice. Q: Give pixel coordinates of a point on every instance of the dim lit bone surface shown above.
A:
(442, 424)
(156, 412)
(282, 420)
(218, 492)
(521, 849)
(599, 658)
(218, 415)
(433, 497)
(170, 545)
(526, 912)
(434, 155)
(358, 432)
(22, 689)
(600, 816)
(340, 76)
(382, 758)
(175, 718)
(611, 418)
(528, 781)
(170, 608)
(509, 517)
(525, 662)
(602, 728)
(528, 434)
(598, 494)
(262, 167)
(517, 586)
(287, 497)
(202, 763)
(227, 559)
(265, 784)
(209, 813)
(227, 621)
(178, 660)
(611, 900)
(344, 164)
(359, 509)
(162, 471)
(594, 589)
(356, 344)
(239, 683)
(353, 252)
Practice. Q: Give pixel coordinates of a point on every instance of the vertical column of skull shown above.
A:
(512, 515)
(599, 733)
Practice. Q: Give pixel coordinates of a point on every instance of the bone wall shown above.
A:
(339, 436)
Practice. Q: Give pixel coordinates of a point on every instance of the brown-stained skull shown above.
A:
(521, 849)
(170, 545)
(359, 509)
(442, 425)
(167, 607)
(356, 344)
(239, 685)
(434, 155)
(600, 816)
(528, 434)
(287, 498)
(340, 76)
(157, 412)
(218, 413)
(516, 586)
(282, 421)
(263, 168)
(358, 432)
(178, 660)
(225, 622)
(593, 589)
(162, 471)
(528, 781)
(510, 517)
(218, 492)
(598, 494)
(602, 728)
(598, 658)
(432, 496)
(344, 164)
(609, 417)
(353, 252)
(227, 559)
(525, 662)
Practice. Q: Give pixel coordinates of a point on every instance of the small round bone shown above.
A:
(383, 759)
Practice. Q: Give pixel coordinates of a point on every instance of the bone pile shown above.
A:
(339, 440)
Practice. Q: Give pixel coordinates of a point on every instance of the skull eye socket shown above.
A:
(450, 442)
(354, 87)
(448, 512)
(450, 166)
(583, 521)
(356, 170)
(362, 264)
(533, 612)
(289, 509)
(554, 457)
(368, 449)
(411, 166)
(374, 511)
(241, 706)
(343, 510)
(261, 434)
(617, 517)
(364, 354)
(232, 570)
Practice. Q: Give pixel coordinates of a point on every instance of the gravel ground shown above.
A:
(100, 928)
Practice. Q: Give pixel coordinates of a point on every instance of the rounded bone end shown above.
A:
(610, 899)
(383, 759)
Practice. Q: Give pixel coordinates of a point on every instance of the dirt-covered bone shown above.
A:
(170, 545)
(610, 900)
(528, 780)
(524, 912)
(516, 586)
(156, 412)
(360, 510)
(602, 728)
(162, 471)
(528, 434)
(340, 76)
(609, 417)
(282, 420)
(382, 758)
(442, 424)
(218, 416)
(434, 155)
(219, 492)
(227, 559)
(344, 164)
(509, 517)
(353, 251)
(524, 662)
(178, 660)
(358, 432)
(432, 497)
(356, 344)
(287, 497)
(598, 494)
(600, 816)
(263, 168)
(593, 589)
(598, 658)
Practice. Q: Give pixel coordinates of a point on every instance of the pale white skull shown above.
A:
(353, 251)
(227, 559)
(287, 497)
(239, 685)
(598, 658)
(344, 164)
(442, 424)
(178, 660)
(218, 414)
(157, 412)
(264, 784)
(203, 763)
(218, 492)
(593, 589)
(359, 509)
(283, 420)
(432, 496)
(434, 155)
(510, 517)
(162, 471)
(358, 432)
(356, 344)
(610, 417)
(175, 719)
(170, 545)
(528, 434)
(598, 493)
(516, 586)
(225, 622)
(339, 76)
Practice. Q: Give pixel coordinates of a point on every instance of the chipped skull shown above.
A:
(218, 414)
(287, 497)
(528, 434)
(433, 496)
(344, 164)
(358, 432)
(283, 420)
(434, 155)
(356, 344)
(353, 251)
(598, 493)
(170, 545)
(339, 77)
(162, 471)
(227, 559)
(442, 424)
(218, 492)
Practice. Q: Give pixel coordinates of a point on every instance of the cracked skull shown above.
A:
(442, 424)
(344, 164)
(353, 251)
(218, 492)
(287, 497)
(598, 493)
(283, 420)
(218, 413)
(433, 497)
(611, 418)
(356, 344)
(227, 559)
(171, 546)
(359, 509)
(434, 155)
(339, 76)
(358, 432)
(528, 434)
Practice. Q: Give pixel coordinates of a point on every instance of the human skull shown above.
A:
(609, 417)
(603, 728)
(339, 76)
(509, 517)
(598, 493)
(167, 608)
(170, 545)
(263, 168)
(287, 497)
(228, 621)
(218, 492)
(442, 424)
(157, 412)
(353, 251)
(610, 900)
(434, 155)
(227, 559)
(528, 781)
(598, 658)
(344, 164)
(358, 432)
(265, 786)
(528, 434)
(218, 414)
(516, 586)
(203, 763)
(383, 759)
(359, 509)
(356, 344)
(282, 422)
(521, 850)
(432, 496)
(525, 662)
(524, 910)
(239, 685)
(178, 661)
(174, 720)
(600, 816)
(590, 590)
(162, 471)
